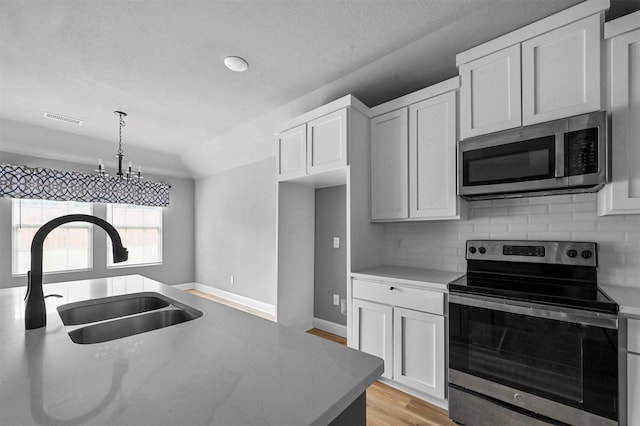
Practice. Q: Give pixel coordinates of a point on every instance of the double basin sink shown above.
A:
(109, 318)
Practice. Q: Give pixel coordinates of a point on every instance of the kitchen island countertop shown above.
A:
(227, 367)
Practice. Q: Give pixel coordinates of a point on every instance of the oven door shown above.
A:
(558, 364)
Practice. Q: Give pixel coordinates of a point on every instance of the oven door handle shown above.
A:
(596, 319)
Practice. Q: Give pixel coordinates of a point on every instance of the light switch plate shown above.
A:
(336, 242)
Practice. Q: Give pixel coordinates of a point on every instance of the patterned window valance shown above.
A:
(49, 184)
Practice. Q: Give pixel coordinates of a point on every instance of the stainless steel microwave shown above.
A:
(561, 156)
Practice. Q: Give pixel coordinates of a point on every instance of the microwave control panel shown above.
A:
(581, 152)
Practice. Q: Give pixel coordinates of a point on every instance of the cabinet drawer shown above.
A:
(395, 295)
(633, 339)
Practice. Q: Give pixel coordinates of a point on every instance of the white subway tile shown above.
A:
(582, 216)
(508, 202)
(550, 218)
(491, 228)
(488, 212)
(531, 209)
(587, 196)
(551, 199)
(572, 226)
(529, 227)
(508, 235)
(573, 207)
(623, 226)
(480, 203)
(510, 219)
(549, 236)
(598, 237)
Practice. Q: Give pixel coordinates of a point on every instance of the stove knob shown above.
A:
(482, 250)
(472, 250)
(586, 254)
(572, 253)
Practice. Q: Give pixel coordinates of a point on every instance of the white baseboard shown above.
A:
(185, 286)
(330, 327)
(427, 398)
(242, 300)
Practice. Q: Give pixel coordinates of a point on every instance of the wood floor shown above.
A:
(387, 406)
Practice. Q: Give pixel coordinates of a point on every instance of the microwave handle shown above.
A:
(559, 163)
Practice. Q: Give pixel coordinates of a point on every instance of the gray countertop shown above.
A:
(224, 368)
(432, 279)
(627, 297)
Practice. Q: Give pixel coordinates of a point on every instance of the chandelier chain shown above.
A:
(122, 124)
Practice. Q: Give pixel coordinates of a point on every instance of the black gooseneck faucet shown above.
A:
(35, 311)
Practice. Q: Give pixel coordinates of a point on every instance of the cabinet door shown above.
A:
(292, 152)
(389, 157)
(327, 142)
(622, 194)
(418, 347)
(490, 93)
(432, 158)
(633, 389)
(372, 331)
(561, 72)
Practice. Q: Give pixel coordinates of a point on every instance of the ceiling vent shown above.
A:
(64, 118)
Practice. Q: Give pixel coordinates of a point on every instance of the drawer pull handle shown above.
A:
(392, 288)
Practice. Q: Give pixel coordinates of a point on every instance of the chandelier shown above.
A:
(128, 174)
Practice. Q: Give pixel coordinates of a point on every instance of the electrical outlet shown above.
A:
(231, 279)
(336, 242)
(397, 242)
(336, 299)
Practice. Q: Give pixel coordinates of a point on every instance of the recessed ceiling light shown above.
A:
(236, 63)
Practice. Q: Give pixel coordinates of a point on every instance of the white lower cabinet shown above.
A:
(405, 326)
(373, 325)
(633, 372)
(418, 345)
(633, 389)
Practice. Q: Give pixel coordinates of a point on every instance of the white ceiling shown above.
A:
(161, 61)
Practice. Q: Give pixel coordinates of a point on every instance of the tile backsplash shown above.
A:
(441, 244)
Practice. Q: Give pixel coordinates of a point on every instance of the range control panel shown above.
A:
(552, 252)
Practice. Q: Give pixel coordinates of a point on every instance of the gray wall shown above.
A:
(330, 269)
(235, 214)
(178, 233)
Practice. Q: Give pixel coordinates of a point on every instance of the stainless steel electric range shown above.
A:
(532, 339)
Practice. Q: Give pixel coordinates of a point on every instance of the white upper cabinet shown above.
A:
(327, 142)
(432, 158)
(622, 194)
(547, 70)
(561, 72)
(490, 93)
(414, 156)
(292, 152)
(389, 166)
(316, 144)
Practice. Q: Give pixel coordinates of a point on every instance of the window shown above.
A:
(66, 248)
(140, 228)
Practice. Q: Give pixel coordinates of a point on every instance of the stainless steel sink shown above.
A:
(111, 307)
(124, 327)
(109, 318)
